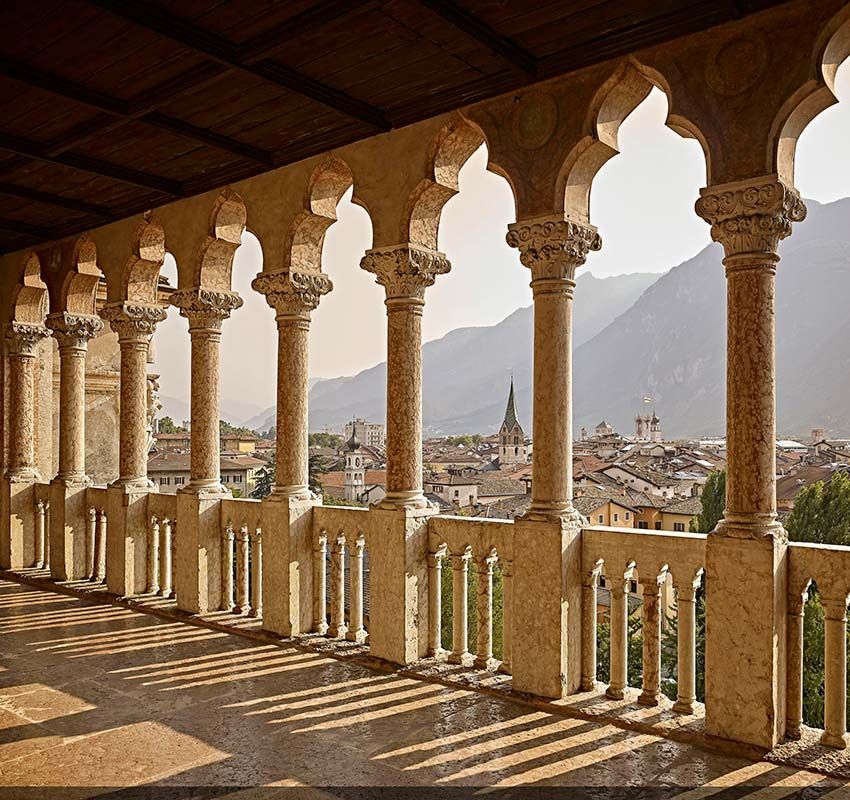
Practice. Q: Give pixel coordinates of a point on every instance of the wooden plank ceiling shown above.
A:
(111, 107)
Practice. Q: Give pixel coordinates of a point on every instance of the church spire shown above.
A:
(510, 411)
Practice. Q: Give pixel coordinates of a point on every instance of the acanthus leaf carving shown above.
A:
(133, 320)
(405, 271)
(24, 338)
(74, 330)
(205, 308)
(553, 248)
(752, 216)
(292, 292)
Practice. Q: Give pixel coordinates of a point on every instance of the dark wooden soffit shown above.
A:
(110, 107)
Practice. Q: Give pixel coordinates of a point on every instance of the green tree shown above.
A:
(322, 439)
(821, 512)
(635, 649)
(166, 425)
(315, 467)
(713, 503)
(263, 482)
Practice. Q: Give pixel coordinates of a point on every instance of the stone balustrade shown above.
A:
(824, 571)
(241, 557)
(96, 532)
(657, 561)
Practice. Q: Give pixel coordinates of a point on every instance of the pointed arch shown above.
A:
(29, 297)
(450, 150)
(816, 95)
(227, 221)
(626, 88)
(140, 275)
(306, 235)
(78, 288)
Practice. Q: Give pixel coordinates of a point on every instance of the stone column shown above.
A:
(289, 587)
(18, 545)
(134, 324)
(553, 248)
(548, 568)
(127, 548)
(67, 492)
(651, 618)
(835, 672)
(405, 272)
(686, 607)
(198, 556)
(745, 636)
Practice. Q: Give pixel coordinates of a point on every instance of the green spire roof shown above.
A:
(510, 411)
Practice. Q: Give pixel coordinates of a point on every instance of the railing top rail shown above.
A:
(648, 532)
(826, 564)
(818, 546)
(481, 535)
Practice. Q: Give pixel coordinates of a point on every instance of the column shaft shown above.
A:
(21, 413)
(133, 452)
(686, 683)
(72, 411)
(205, 456)
(291, 454)
(835, 672)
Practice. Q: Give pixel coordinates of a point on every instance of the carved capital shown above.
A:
(553, 247)
(751, 217)
(73, 331)
(291, 292)
(205, 308)
(133, 320)
(24, 338)
(405, 271)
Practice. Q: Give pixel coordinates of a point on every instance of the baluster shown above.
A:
(507, 615)
(257, 574)
(91, 532)
(227, 568)
(338, 626)
(100, 548)
(794, 664)
(619, 634)
(47, 535)
(435, 601)
(460, 583)
(651, 618)
(356, 631)
(153, 557)
(320, 577)
(39, 535)
(835, 672)
(588, 630)
(166, 560)
(484, 602)
(243, 603)
(686, 610)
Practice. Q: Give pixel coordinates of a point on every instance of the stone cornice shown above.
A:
(205, 308)
(24, 338)
(553, 247)
(74, 330)
(405, 271)
(133, 320)
(292, 292)
(751, 217)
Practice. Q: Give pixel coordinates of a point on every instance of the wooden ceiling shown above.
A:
(111, 107)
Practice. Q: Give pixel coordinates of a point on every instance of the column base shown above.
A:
(489, 664)
(614, 694)
(134, 485)
(23, 475)
(833, 740)
(206, 491)
(296, 492)
(400, 501)
(359, 637)
(652, 699)
(686, 706)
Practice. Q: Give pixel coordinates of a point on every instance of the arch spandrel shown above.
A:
(29, 295)
(71, 273)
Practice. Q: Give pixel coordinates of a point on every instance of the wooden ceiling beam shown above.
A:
(221, 50)
(24, 229)
(127, 111)
(72, 204)
(23, 147)
(475, 29)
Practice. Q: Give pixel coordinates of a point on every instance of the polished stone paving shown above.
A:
(97, 697)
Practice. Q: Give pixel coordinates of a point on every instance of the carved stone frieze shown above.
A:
(24, 338)
(74, 330)
(406, 270)
(553, 248)
(292, 292)
(205, 308)
(752, 216)
(133, 320)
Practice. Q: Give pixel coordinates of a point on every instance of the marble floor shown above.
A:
(100, 700)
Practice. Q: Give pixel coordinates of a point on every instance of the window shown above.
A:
(633, 587)
(164, 481)
(602, 581)
(516, 451)
(642, 524)
(457, 493)
(179, 480)
(679, 527)
(601, 519)
(616, 517)
(628, 516)
(658, 526)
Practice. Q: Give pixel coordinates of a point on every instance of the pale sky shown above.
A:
(642, 202)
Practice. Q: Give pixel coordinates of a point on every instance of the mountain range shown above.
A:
(643, 335)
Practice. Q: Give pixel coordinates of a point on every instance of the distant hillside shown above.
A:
(466, 372)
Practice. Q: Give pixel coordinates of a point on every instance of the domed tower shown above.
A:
(655, 429)
(512, 448)
(355, 469)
